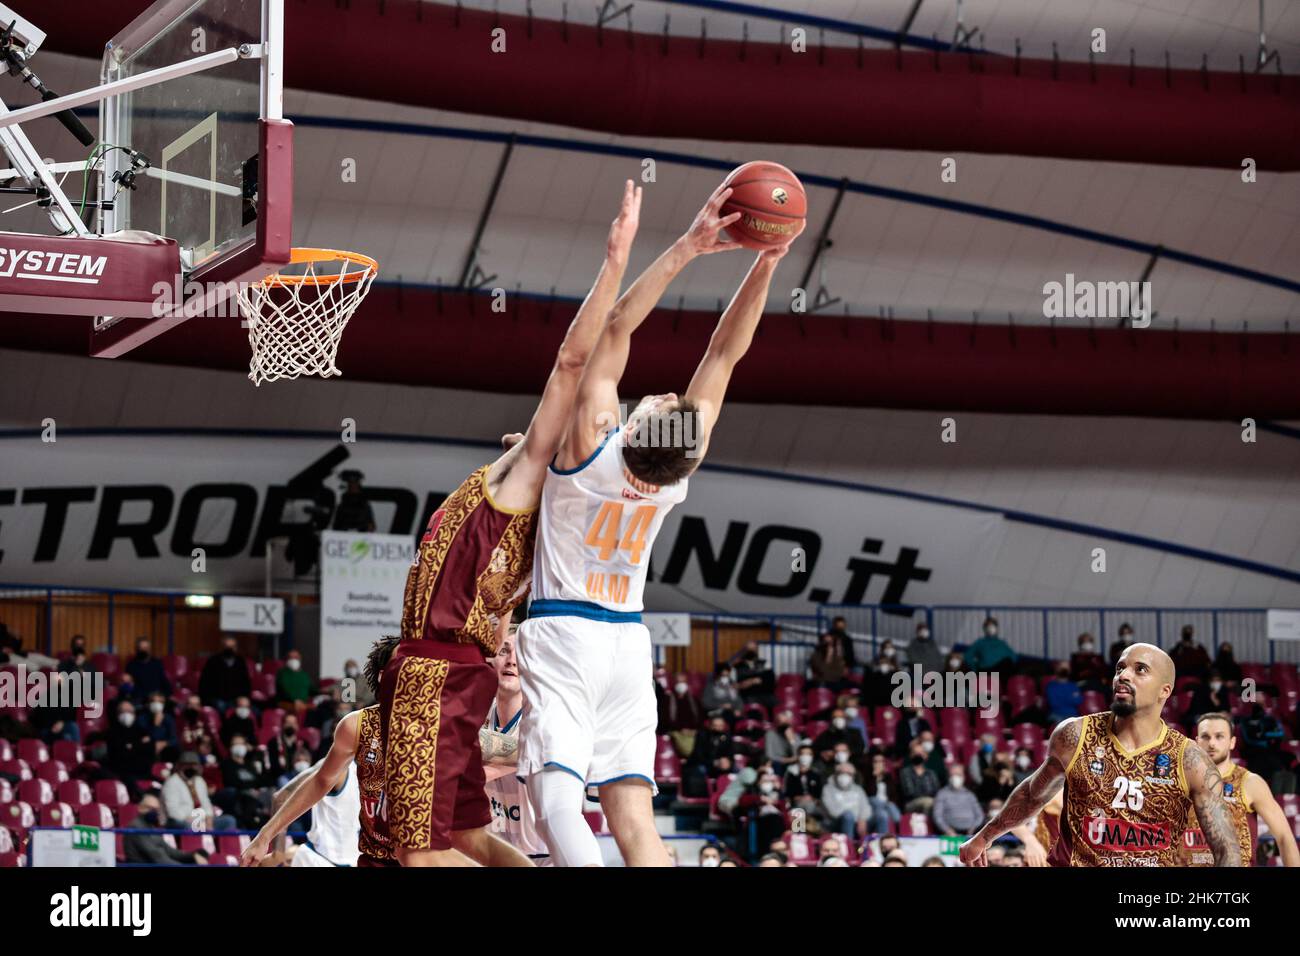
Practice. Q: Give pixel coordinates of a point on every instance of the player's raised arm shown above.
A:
(597, 405)
(517, 475)
(316, 783)
(1261, 798)
(732, 338)
(1030, 795)
(1206, 789)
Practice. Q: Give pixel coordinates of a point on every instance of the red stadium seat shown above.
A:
(668, 768)
(69, 751)
(197, 843)
(802, 848)
(696, 682)
(95, 815)
(717, 785)
(885, 724)
(112, 793)
(794, 681)
(33, 751)
(755, 711)
(272, 667)
(1251, 670)
(223, 859)
(6, 750)
(6, 839)
(232, 844)
(1093, 702)
(110, 665)
(1290, 804)
(16, 768)
(954, 723)
(263, 687)
(54, 771)
(1021, 683)
(175, 667)
(75, 792)
(310, 736)
(92, 726)
(819, 700)
(1026, 735)
(11, 859)
(751, 729)
(1285, 677)
(914, 824)
(57, 815)
(18, 816)
(814, 728)
(989, 725)
(36, 792)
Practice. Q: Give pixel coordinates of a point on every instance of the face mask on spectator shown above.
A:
(991, 630)
(841, 756)
(843, 780)
(301, 765)
(887, 651)
(289, 731)
(839, 723)
(957, 782)
(351, 672)
(1022, 762)
(293, 663)
(1215, 685)
(680, 688)
(1087, 647)
(189, 771)
(155, 707)
(927, 745)
(239, 751)
(767, 787)
(851, 713)
(805, 760)
(126, 718)
(242, 713)
(710, 861)
(151, 817)
(884, 667)
(954, 662)
(923, 633)
(917, 760)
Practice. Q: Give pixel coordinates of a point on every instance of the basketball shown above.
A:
(770, 200)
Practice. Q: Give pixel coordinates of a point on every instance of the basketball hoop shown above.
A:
(296, 317)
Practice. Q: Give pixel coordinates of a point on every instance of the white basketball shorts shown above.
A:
(589, 702)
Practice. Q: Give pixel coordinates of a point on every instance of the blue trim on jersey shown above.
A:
(626, 776)
(309, 845)
(560, 766)
(585, 609)
(335, 792)
(590, 458)
(510, 725)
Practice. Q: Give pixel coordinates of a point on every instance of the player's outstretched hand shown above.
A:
(623, 229)
(973, 850)
(775, 253)
(705, 235)
(254, 852)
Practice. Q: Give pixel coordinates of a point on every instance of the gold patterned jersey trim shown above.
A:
(487, 494)
(503, 584)
(369, 760)
(1119, 745)
(412, 748)
(423, 576)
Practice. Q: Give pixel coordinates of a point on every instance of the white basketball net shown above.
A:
(296, 318)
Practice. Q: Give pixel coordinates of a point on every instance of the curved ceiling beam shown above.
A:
(422, 336)
(436, 55)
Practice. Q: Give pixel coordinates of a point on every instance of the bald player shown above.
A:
(1246, 794)
(1130, 781)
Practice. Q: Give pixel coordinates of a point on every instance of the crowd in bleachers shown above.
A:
(194, 744)
(783, 762)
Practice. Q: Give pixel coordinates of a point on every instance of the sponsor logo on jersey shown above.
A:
(1108, 833)
(1228, 791)
(1097, 767)
(1164, 766)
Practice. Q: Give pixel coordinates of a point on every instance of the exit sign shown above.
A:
(85, 838)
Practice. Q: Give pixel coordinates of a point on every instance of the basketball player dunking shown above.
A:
(1130, 781)
(585, 658)
(1247, 796)
(471, 570)
(357, 741)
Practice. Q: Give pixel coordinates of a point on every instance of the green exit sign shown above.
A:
(951, 845)
(85, 838)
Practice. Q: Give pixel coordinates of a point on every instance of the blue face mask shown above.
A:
(987, 748)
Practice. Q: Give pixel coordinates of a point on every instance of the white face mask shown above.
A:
(239, 751)
(301, 765)
(1087, 647)
(927, 746)
(851, 713)
(681, 687)
(841, 756)
(126, 719)
(805, 760)
(352, 672)
(991, 630)
(1022, 762)
(293, 664)
(843, 781)
(954, 662)
(1215, 685)
(710, 861)
(839, 723)
(886, 652)
(155, 707)
(767, 787)
(957, 782)
(923, 633)
(242, 713)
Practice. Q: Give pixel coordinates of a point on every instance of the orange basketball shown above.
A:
(770, 200)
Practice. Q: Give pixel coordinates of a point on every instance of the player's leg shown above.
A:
(449, 857)
(629, 809)
(556, 796)
(487, 849)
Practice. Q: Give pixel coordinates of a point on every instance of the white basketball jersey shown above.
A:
(512, 814)
(597, 526)
(336, 823)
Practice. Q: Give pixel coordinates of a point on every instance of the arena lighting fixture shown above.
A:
(199, 600)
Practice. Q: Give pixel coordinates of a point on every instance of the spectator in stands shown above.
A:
(54, 722)
(990, 652)
(294, 687)
(130, 748)
(855, 715)
(781, 742)
(910, 727)
(244, 779)
(1087, 667)
(772, 859)
(804, 781)
(281, 748)
(1208, 698)
(935, 758)
(713, 755)
(998, 781)
(1189, 657)
(1117, 646)
(933, 861)
(839, 755)
(827, 666)
(836, 734)
(1014, 856)
(340, 709)
(353, 512)
(1261, 745)
(1024, 764)
(983, 757)
(192, 728)
(710, 855)
(1062, 696)
(302, 760)
(882, 794)
(1227, 665)
(239, 722)
(762, 805)
(162, 727)
(681, 714)
(956, 809)
(956, 662)
(755, 680)
(151, 848)
(924, 651)
(744, 781)
(891, 655)
(839, 631)
(225, 677)
(834, 847)
(77, 661)
(845, 803)
(146, 672)
(897, 859)
(186, 800)
(878, 684)
(361, 693)
(917, 783)
(720, 693)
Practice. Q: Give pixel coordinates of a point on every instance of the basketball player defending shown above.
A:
(585, 658)
(357, 740)
(471, 570)
(512, 814)
(1247, 796)
(1130, 781)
